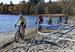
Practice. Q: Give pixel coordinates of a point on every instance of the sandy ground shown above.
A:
(47, 45)
(6, 37)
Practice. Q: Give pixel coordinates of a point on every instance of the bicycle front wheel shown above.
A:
(22, 36)
(16, 36)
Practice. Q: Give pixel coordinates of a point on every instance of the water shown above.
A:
(7, 22)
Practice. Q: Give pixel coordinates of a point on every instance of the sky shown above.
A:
(17, 1)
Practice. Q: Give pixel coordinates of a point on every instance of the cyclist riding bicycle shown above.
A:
(22, 23)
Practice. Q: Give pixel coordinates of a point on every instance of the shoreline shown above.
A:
(40, 14)
(11, 34)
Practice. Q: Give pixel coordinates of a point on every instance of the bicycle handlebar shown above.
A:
(17, 25)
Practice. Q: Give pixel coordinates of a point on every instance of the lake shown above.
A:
(7, 22)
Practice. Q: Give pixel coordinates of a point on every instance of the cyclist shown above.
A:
(39, 21)
(22, 23)
(50, 20)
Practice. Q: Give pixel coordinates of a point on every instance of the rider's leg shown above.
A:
(23, 33)
(23, 29)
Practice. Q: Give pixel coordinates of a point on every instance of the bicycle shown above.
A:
(19, 34)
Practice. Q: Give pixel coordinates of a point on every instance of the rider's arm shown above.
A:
(17, 21)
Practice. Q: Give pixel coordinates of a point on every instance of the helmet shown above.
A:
(21, 16)
(40, 17)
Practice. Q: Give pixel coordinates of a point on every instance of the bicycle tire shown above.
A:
(22, 36)
(17, 36)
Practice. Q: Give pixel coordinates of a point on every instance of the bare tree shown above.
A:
(66, 6)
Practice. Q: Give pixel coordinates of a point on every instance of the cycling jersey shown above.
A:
(22, 21)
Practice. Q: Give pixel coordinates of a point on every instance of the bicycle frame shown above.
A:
(19, 29)
(19, 34)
